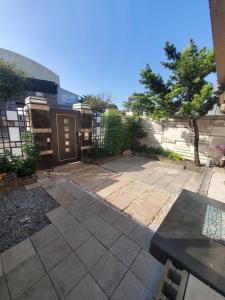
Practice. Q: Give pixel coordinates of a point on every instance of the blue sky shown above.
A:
(101, 45)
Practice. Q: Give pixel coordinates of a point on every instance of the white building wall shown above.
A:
(30, 67)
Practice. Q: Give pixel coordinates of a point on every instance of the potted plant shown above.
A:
(8, 178)
(26, 167)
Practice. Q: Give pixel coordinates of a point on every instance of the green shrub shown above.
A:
(159, 151)
(95, 151)
(172, 155)
(5, 165)
(113, 140)
(22, 166)
(133, 130)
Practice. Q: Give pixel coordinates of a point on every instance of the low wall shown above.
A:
(176, 135)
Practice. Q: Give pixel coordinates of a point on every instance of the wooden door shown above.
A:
(66, 136)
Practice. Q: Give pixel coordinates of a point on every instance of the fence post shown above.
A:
(39, 112)
(86, 126)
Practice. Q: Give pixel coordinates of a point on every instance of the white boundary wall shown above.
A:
(176, 135)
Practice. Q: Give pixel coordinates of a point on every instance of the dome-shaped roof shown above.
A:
(29, 66)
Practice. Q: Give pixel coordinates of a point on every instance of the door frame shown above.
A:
(54, 112)
(58, 139)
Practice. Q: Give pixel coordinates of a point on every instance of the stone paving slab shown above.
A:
(93, 223)
(66, 224)
(44, 237)
(148, 270)
(67, 274)
(90, 252)
(105, 192)
(60, 195)
(107, 235)
(125, 224)
(123, 197)
(57, 214)
(17, 254)
(77, 237)
(4, 293)
(24, 276)
(131, 288)
(108, 272)
(110, 214)
(142, 236)
(147, 205)
(125, 249)
(32, 186)
(42, 290)
(52, 254)
(87, 289)
(45, 182)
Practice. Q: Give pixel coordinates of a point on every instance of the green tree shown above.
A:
(99, 102)
(113, 139)
(12, 81)
(187, 93)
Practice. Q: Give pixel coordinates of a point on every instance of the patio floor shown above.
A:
(97, 245)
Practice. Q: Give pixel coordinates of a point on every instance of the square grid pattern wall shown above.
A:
(98, 131)
(14, 121)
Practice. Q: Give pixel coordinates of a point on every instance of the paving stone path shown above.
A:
(90, 251)
(96, 246)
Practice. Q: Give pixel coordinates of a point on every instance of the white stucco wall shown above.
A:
(30, 67)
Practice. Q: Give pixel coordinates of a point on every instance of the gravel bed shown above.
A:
(22, 213)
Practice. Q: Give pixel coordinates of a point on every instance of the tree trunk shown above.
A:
(196, 142)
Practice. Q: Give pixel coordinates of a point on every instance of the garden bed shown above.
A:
(22, 213)
(187, 164)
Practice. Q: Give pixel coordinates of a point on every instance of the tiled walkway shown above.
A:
(90, 251)
(94, 249)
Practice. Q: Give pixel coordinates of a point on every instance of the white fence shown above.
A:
(176, 135)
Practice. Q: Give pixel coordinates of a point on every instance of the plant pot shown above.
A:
(8, 181)
(2, 176)
(27, 180)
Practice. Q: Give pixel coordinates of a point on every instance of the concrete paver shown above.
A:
(107, 235)
(65, 224)
(110, 214)
(54, 253)
(131, 288)
(90, 252)
(93, 223)
(108, 272)
(24, 276)
(76, 237)
(125, 249)
(44, 237)
(42, 290)
(148, 270)
(87, 289)
(17, 254)
(142, 236)
(125, 224)
(56, 214)
(67, 274)
(4, 293)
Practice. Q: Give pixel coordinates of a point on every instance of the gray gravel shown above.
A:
(22, 213)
